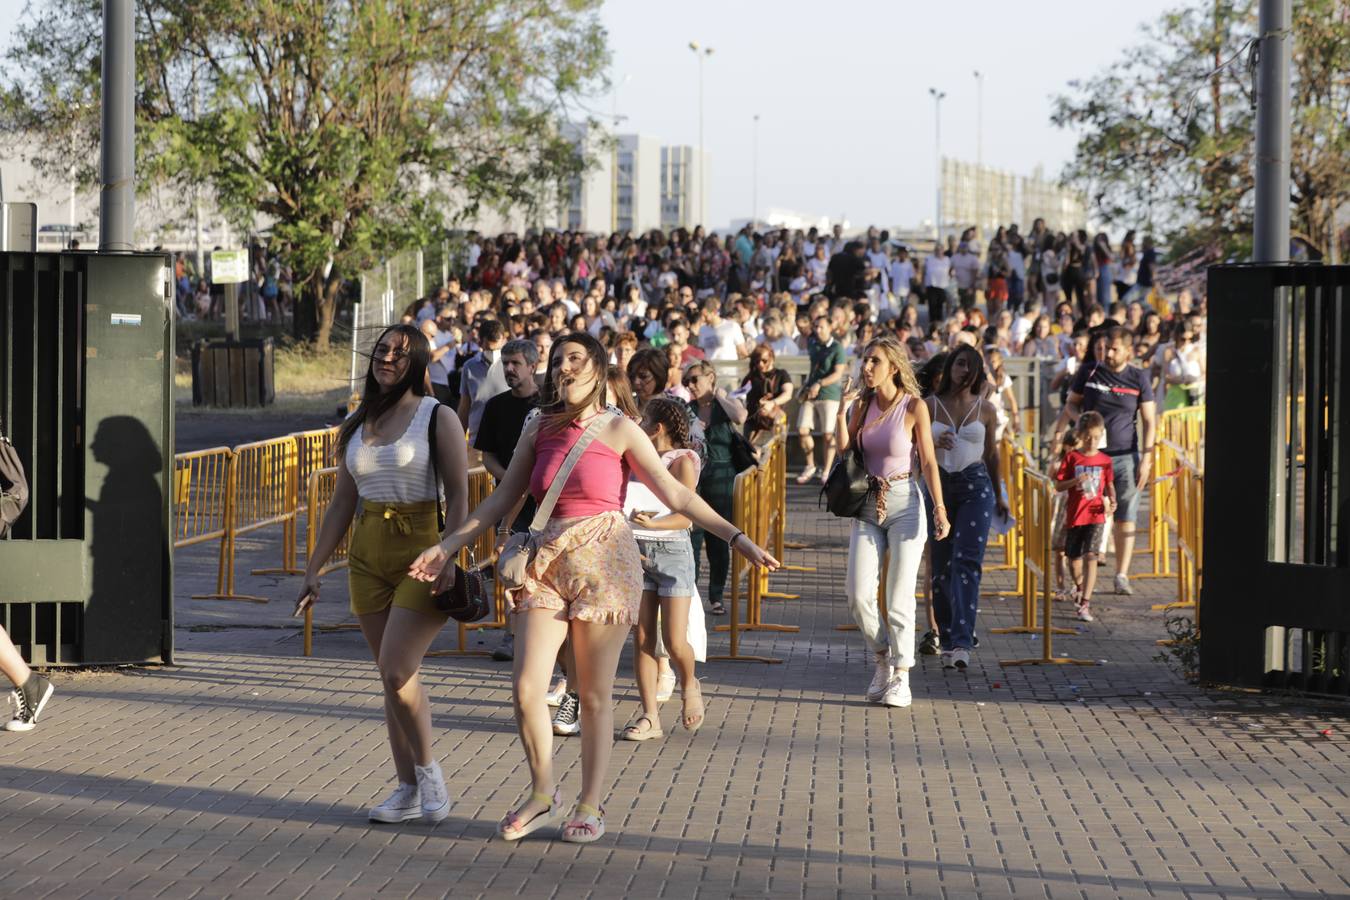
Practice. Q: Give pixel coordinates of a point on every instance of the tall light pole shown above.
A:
(1271, 233)
(979, 150)
(701, 53)
(937, 158)
(754, 174)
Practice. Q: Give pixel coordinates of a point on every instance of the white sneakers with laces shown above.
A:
(403, 805)
(881, 680)
(897, 691)
(435, 799)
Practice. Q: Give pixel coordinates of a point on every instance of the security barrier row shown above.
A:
(758, 507)
(1183, 430)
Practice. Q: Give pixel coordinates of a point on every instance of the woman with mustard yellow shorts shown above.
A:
(387, 482)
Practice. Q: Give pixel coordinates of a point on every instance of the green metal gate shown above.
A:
(86, 395)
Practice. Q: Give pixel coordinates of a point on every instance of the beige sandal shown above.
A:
(633, 731)
(586, 826)
(687, 703)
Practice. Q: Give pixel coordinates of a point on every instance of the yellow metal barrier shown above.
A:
(1032, 534)
(315, 450)
(318, 494)
(1183, 430)
(1037, 517)
(1186, 518)
(774, 485)
(1012, 460)
(201, 503)
(262, 490)
(752, 494)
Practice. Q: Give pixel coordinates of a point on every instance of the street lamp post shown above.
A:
(701, 53)
(754, 175)
(979, 150)
(937, 158)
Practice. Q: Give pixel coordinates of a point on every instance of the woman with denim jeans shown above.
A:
(889, 423)
(964, 423)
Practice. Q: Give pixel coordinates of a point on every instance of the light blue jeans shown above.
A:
(900, 539)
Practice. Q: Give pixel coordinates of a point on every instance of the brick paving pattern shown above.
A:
(245, 770)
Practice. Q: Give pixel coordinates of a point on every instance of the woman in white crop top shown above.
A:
(384, 461)
(964, 425)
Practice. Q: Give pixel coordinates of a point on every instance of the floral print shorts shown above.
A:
(588, 566)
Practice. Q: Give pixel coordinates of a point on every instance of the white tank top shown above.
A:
(641, 498)
(399, 472)
(969, 447)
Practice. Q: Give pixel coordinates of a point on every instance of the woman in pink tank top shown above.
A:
(889, 423)
(584, 584)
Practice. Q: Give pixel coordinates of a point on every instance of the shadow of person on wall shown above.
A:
(129, 590)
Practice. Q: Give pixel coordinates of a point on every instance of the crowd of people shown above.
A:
(590, 376)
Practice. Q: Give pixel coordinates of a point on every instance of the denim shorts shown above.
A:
(668, 566)
(1123, 468)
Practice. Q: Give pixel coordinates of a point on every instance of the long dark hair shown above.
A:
(555, 412)
(976, 365)
(375, 402)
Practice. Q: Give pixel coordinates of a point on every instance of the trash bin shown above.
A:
(86, 396)
(228, 373)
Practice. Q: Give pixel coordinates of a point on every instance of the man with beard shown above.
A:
(498, 433)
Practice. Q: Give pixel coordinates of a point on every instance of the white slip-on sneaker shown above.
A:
(961, 658)
(948, 661)
(897, 692)
(556, 693)
(435, 799)
(880, 679)
(1123, 585)
(665, 686)
(403, 805)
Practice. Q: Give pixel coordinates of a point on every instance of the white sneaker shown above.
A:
(881, 679)
(1084, 614)
(556, 693)
(1123, 585)
(435, 799)
(960, 658)
(403, 805)
(897, 692)
(807, 474)
(665, 687)
(948, 662)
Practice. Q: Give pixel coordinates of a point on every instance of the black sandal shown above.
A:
(716, 608)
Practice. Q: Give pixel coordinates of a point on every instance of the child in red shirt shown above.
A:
(1087, 476)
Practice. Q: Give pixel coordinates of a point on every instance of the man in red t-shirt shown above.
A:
(1086, 474)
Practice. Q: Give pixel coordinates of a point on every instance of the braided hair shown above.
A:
(671, 414)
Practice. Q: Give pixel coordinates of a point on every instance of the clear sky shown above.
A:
(841, 86)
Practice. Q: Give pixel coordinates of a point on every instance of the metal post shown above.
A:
(117, 198)
(421, 275)
(1271, 237)
(979, 151)
(937, 159)
(754, 176)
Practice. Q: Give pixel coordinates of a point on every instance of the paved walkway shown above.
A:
(245, 770)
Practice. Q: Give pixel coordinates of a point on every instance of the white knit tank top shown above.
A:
(399, 472)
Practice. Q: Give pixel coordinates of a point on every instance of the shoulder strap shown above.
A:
(435, 468)
(545, 510)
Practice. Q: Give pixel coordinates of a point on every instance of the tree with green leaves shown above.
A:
(350, 128)
(1166, 134)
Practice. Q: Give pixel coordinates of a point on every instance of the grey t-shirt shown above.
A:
(480, 382)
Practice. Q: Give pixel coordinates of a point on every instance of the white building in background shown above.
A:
(683, 170)
(637, 184)
(986, 198)
(589, 204)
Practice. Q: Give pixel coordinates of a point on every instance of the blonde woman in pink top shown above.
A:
(585, 582)
(890, 424)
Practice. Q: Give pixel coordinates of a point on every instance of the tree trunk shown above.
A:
(306, 323)
(327, 310)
